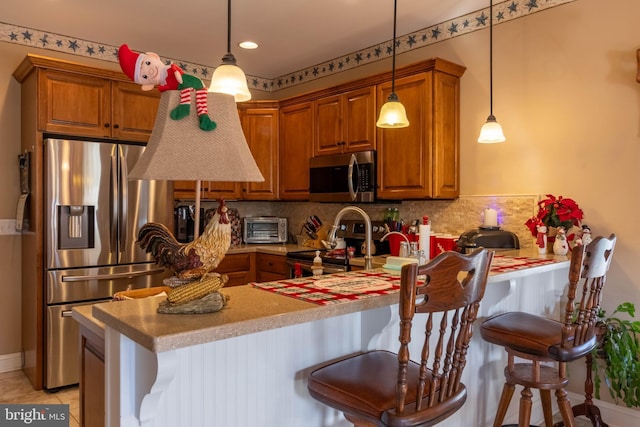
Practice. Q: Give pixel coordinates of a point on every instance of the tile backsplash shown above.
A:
(447, 216)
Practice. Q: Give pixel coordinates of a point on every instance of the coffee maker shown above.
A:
(184, 222)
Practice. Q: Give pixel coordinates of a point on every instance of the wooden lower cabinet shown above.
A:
(239, 267)
(271, 267)
(92, 379)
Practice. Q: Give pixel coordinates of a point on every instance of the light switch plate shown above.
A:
(8, 227)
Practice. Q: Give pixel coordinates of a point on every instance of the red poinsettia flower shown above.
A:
(555, 212)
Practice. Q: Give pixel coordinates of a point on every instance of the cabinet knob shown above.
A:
(107, 125)
(116, 126)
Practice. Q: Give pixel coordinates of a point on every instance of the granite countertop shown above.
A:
(249, 310)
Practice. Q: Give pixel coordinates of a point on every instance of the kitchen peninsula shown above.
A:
(247, 364)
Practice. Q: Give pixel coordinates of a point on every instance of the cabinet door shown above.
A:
(260, 126)
(327, 136)
(271, 267)
(239, 267)
(221, 189)
(74, 104)
(92, 379)
(404, 155)
(184, 189)
(133, 111)
(359, 119)
(345, 123)
(296, 124)
(446, 136)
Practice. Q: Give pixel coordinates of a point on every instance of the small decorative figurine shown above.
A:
(586, 235)
(541, 239)
(149, 71)
(561, 246)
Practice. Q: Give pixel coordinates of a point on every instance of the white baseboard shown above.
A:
(613, 415)
(10, 362)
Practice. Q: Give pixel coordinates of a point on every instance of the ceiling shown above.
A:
(292, 34)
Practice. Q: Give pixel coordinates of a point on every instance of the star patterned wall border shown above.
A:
(505, 11)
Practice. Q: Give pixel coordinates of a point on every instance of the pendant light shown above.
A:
(491, 131)
(392, 113)
(228, 77)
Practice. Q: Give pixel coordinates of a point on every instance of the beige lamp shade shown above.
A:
(180, 150)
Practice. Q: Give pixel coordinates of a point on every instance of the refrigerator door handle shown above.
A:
(113, 217)
(125, 275)
(124, 198)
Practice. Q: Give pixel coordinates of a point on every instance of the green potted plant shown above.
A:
(617, 358)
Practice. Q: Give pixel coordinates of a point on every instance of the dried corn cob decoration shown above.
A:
(197, 289)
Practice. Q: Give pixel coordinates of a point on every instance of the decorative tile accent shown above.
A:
(505, 11)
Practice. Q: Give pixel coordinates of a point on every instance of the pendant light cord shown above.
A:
(490, 57)
(393, 61)
(229, 26)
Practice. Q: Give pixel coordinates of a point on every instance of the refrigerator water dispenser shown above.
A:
(76, 227)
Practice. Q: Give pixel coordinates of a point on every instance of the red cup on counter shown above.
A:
(445, 242)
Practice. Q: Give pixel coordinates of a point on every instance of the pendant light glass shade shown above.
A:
(491, 132)
(228, 77)
(392, 113)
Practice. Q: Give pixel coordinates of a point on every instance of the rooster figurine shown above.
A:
(189, 260)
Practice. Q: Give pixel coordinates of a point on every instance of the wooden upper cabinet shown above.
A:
(260, 126)
(86, 105)
(345, 123)
(259, 120)
(296, 124)
(74, 104)
(422, 161)
(133, 111)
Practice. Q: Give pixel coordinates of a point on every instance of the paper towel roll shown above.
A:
(424, 239)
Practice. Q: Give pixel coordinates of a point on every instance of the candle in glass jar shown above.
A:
(490, 217)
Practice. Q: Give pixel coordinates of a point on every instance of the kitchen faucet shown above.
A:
(368, 263)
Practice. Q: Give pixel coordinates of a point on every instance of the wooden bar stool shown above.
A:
(381, 388)
(539, 340)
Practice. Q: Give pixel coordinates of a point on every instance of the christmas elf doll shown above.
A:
(148, 70)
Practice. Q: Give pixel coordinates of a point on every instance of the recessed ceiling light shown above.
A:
(248, 45)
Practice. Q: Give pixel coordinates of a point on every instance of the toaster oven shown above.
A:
(265, 229)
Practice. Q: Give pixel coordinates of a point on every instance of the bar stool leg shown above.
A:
(587, 408)
(503, 405)
(545, 399)
(565, 408)
(525, 407)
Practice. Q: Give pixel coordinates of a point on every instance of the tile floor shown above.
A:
(16, 388)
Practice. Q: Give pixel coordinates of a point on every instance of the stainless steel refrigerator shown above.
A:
(93, 214)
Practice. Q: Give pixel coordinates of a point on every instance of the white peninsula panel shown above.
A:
(247, 365)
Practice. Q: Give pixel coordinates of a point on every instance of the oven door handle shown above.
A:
(125, 275)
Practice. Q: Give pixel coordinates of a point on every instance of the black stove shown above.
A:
(328, 257)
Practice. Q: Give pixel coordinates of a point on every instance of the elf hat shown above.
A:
(129, 62)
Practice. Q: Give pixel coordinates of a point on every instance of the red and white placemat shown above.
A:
(357, 285)
(503, 263)
(337, 288)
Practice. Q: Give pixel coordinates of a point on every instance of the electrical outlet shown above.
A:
(8, 227)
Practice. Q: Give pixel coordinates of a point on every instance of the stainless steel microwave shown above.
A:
(347, 177)
(265, 229)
